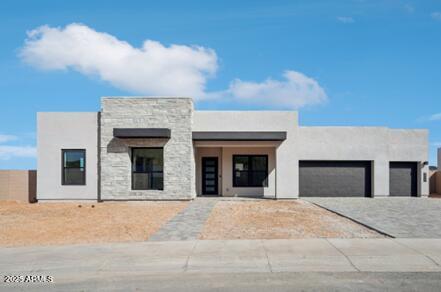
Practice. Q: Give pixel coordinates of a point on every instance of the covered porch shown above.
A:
(233, 164)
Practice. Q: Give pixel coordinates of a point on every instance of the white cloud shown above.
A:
(436, 15)
(152, 69)
(7, 138)
(155, 69)
(7, 152)
(435, 117)
(409, 8)
(297, 90)
(345, 19)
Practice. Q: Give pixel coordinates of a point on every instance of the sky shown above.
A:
(339, 63)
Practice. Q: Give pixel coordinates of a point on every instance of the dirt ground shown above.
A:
(278, 220)
(67, 223)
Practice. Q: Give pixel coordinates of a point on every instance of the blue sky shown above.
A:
(370, 63)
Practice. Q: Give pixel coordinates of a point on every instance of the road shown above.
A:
(253, 282)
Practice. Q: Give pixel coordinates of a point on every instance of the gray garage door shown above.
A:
(403, 179)
(335, 178)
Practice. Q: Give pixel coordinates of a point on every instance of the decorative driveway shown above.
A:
(397, 217)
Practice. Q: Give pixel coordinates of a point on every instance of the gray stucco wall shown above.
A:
(377, 144)
(179, 166)
(57, 131)
(281, 183)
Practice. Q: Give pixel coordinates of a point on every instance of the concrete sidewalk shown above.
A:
(235, 256)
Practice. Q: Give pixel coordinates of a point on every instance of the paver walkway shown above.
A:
(397, 217)
(188, 224)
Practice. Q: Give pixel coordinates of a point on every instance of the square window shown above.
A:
(250, 170)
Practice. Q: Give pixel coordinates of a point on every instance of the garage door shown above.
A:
(335, 178)
(403, 179)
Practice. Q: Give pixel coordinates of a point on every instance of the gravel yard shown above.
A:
(68, 223)
(265, 219)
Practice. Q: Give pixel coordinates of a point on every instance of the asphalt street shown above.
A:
(253, 282)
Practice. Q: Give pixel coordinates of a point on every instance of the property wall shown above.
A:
(179, 163)
(436, 177)
(19, 185)
(57, 131)
(285, 152)
(377, 144)
(432, 181)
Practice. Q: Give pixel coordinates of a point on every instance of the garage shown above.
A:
(403, 179)
(335, 178)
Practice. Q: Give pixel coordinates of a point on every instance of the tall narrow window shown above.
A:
(250, 170)
(74, 167)
(147, 168)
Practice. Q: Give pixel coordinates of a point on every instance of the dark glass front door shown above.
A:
(209, 176)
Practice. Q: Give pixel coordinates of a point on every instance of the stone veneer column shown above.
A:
(179, 166)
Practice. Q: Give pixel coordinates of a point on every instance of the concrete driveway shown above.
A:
(397, 217)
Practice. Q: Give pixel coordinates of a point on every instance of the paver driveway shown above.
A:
(397, 217)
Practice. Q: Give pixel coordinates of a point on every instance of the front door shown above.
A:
(209, 176)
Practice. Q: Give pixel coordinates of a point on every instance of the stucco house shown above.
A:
(162, 149)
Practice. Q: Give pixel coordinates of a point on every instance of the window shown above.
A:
(147, 168)
(74, 167)
(250, 170)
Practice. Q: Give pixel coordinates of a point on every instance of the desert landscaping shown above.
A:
(24, 224)
(267, 219)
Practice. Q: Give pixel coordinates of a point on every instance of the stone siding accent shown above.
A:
(179, 167)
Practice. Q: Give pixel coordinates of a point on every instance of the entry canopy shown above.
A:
(140, 133)
(239, 136)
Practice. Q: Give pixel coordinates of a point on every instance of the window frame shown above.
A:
(250, 171)
(63, 168)
(150, 173)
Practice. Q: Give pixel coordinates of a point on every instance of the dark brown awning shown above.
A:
(239, 136)
(141, 133)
